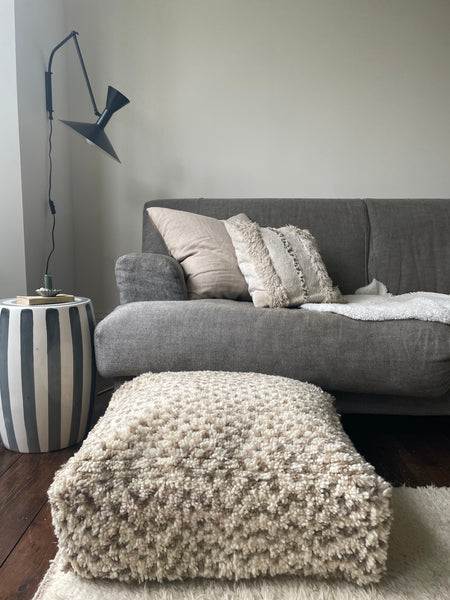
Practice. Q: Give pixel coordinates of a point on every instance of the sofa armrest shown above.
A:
(147, 276)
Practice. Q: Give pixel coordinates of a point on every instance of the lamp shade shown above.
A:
(94, 132)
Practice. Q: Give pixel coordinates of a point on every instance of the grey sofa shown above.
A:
(396, 367)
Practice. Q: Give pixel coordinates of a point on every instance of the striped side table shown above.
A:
(47, 374)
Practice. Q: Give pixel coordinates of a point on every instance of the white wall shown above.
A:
(257, 98)
(12, 249)
(312, 98)
(40, 26)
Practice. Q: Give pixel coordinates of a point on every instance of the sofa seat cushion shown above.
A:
(406, 358)
(224, 475)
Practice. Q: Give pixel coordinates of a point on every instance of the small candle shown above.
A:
(48, 282)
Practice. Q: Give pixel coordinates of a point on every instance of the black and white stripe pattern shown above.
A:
(47, 374)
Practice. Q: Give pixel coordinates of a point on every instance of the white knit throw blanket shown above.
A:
(374, 303)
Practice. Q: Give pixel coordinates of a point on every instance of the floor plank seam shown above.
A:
(23, 534)
(10, 465)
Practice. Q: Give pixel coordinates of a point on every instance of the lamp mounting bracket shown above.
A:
(48, 75)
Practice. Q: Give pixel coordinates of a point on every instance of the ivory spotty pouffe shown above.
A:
(220, 475)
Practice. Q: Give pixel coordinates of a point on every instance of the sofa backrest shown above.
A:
(403, 243)
(410, 244)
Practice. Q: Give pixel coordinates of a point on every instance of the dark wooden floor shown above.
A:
(27, 543)
(413, 451)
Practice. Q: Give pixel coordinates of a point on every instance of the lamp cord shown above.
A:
(50, 201)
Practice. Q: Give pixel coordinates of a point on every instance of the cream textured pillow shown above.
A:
(226, 475)
(204, 249)
(282, 267)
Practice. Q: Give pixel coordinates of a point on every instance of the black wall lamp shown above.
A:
(93, 133)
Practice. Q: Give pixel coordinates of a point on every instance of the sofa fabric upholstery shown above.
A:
(148, 276)
(389, 366)
(410, 245)
(331, 351)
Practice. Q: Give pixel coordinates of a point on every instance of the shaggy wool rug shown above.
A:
(418, 567)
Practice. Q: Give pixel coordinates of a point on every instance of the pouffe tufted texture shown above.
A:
(224, 475)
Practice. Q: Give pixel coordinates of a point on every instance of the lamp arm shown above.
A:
(48, 76)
